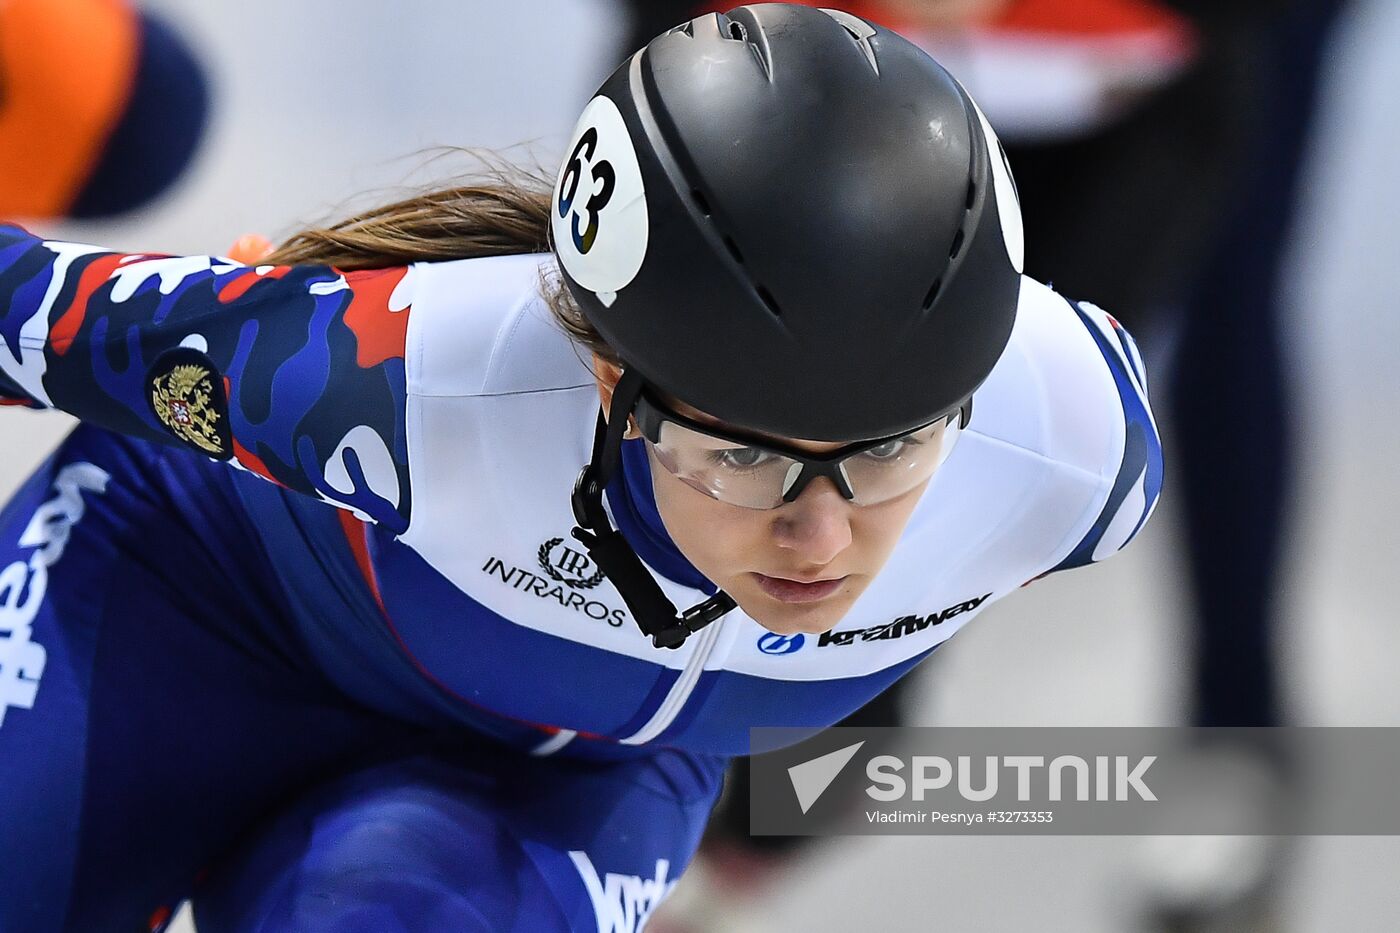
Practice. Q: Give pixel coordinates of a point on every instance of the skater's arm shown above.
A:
(295, 373)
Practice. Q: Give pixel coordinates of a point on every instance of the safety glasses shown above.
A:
(755, 473)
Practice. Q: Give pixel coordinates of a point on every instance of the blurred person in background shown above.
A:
(296, 601)
(102, 107)
(1157, 146)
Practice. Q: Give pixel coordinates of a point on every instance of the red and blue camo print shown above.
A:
(295, 373)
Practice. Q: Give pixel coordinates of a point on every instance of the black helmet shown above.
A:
(795, 221)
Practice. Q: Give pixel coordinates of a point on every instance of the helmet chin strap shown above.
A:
(655, 614)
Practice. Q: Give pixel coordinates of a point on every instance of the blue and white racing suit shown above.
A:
(414, 704)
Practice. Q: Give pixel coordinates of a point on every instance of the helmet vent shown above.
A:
(971, 194)
(932, 295)
(700, 201)
(735, 31)
(768, 300)
(734, 249)
(685, 29)
(859, 30)
(957, 245)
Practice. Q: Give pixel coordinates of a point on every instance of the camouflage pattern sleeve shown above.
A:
(295, 373)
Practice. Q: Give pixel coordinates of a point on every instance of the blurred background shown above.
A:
(1221, 176)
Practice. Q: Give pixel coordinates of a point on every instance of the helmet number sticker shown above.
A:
(1007, 200)
(600, 217)
(603, 175)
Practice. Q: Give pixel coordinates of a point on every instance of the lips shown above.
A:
(794, 591)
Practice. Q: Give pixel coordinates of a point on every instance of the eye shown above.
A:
(891, 450)
(740, 458)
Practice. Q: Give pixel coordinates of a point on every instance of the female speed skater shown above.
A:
(315, 618)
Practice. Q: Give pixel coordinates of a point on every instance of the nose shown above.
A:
(816, 526)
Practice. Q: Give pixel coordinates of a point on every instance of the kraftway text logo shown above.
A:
(24, 583)
(566, 571)
(622, 903)
(904, 625)
(1102, 778)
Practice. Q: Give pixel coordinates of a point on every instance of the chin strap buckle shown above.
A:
(691, 621)
(702, 614)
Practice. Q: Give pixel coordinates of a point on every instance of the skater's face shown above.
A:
(795, 568)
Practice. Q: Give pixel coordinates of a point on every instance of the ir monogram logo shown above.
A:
(562, 575)
(567, 566)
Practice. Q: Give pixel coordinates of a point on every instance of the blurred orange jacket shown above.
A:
(66, 71)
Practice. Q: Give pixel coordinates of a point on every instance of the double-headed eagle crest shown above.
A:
(183, 399)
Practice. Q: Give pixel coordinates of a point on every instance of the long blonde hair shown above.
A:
(502, 211)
